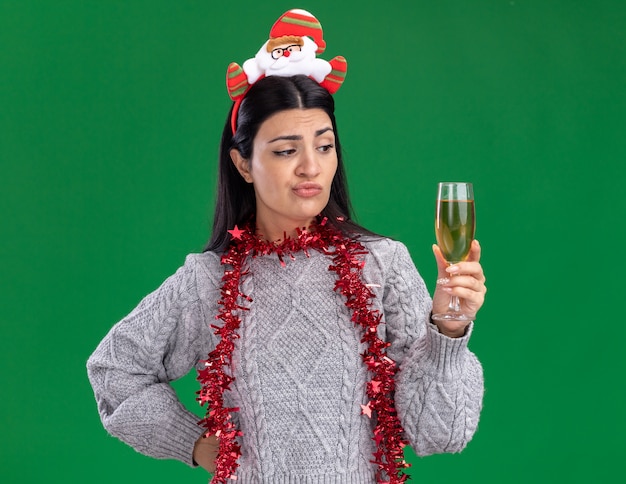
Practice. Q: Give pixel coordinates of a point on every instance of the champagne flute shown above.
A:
(454, 227)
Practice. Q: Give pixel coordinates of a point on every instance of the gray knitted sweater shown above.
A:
(300, 379)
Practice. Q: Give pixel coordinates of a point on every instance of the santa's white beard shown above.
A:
(299, 62)
(296, 63)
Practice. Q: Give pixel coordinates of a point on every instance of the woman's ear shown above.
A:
(242, 165)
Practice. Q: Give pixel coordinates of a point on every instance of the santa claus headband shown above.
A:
(294, 40)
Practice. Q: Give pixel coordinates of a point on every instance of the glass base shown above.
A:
(451, 317)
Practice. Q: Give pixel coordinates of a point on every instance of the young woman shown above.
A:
(311, 335)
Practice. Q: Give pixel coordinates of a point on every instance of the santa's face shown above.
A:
(285, 49)
(289, 56)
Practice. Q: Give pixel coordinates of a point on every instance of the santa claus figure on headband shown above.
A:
(294, 41)
(287, 55)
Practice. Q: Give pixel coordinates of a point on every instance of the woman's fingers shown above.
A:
(474, 254)
(469, 266)
(441, 261)
(468, 295)
(465, 281)
(472, 268)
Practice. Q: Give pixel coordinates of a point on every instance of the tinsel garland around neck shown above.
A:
(347, 261)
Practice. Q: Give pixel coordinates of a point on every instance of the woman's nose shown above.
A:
(308, 166)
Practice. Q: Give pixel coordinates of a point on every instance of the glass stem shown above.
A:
(454, 306)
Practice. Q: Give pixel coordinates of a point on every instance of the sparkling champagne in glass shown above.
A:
(454, 227)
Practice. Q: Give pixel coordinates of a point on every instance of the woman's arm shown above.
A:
(131, 368)
(439, 386)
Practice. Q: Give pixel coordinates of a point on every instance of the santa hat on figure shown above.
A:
(306, 23)
(294, 40)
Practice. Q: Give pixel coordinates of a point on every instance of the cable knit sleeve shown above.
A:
(440, 382)
(130, 370)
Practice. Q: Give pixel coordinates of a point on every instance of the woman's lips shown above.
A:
(307, 189)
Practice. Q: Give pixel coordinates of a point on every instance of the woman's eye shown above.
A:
(285, 152)
(326, 148)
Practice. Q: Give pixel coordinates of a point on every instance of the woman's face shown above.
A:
(292, 167)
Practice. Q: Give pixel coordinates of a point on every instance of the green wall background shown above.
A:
(110, 116)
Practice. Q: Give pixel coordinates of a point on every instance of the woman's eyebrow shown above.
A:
(297, 137)
(320, 132)
(289, 137)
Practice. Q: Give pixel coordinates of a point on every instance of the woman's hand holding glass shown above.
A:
(460, 278)
(465, 280)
